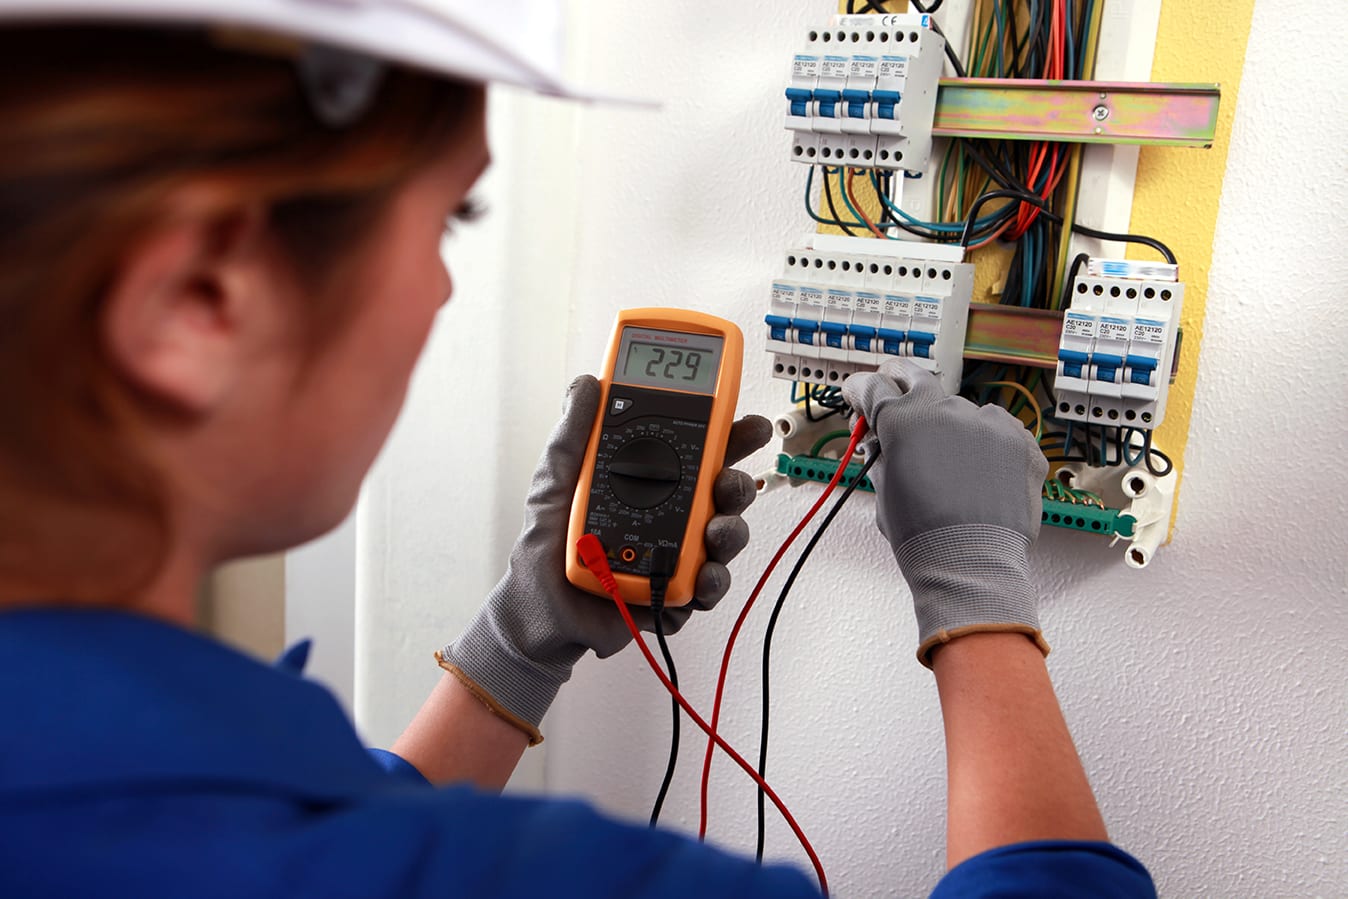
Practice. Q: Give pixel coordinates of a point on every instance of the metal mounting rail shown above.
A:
(1092, 112)
(1013, 334)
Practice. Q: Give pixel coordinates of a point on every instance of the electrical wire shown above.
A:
(826, 439)
(833, 210)
(995, 195)
(1152, 242)
(1034, 404)
(594, 557)
(858, 430)
(854, 205)
(852, 485)
(670, 766)
(663, 561)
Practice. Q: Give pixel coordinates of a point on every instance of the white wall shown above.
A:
(1208, 694)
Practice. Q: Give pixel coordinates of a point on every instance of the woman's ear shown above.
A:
(180, 312)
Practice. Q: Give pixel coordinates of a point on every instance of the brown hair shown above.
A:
(97, 127)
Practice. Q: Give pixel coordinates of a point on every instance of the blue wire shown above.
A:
(982, 222)
(1068, 39)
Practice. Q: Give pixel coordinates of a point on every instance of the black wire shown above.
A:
(833, 210)
(1148, 451)
(772, 626)
(1077, 262)
(659, 618)
(993, 195)
(1128, 238)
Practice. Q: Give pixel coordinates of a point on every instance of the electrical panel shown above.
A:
(1082, 350)
(836, 312)
(1118, 346)
(863, 92)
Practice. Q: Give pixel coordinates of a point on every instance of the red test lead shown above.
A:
(592, 553)
(857, 433)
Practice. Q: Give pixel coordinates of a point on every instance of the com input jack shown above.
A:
(628, 554)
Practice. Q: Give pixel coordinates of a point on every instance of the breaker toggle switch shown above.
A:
(891, 342)
(922, 342)
(1107, 367)
(862, 336)
(1073, 363)
(828, 102)
(1140, 369)
(800, 100)
(805, 330)
(777, 327)
(833, 334)
(856, 103)
(885, 101)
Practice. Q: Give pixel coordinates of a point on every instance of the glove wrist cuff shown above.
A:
(518, 683)
(969, 579)
(481, 695)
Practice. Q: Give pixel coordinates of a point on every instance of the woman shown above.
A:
(219, 262)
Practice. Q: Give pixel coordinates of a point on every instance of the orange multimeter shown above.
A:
(670, 383)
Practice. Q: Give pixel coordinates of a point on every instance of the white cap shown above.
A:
(518, 43)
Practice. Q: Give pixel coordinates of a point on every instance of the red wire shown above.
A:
(592, 552)
(1054, 66)
(857, 433)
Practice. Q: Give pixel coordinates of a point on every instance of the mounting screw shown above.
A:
(1100, 113)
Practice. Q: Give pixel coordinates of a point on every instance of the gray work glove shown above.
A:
(520, 648)
(958, 491)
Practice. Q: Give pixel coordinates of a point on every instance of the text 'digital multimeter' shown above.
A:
(670, 383)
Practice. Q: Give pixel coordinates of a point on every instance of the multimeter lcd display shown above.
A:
(669, 359)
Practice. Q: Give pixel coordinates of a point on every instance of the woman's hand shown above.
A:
(535, 625)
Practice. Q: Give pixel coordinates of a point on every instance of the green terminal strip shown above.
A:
(1091, 519)
(812, 468)
(1057, 513)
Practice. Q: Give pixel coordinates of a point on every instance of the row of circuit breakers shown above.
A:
(834, 313)
(862, 93)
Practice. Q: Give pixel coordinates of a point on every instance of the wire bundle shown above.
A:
(1041, 39)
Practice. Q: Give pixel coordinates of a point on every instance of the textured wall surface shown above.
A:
(1208, 694)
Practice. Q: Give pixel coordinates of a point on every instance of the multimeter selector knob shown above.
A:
(644, 473)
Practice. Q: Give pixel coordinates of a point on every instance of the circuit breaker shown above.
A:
(863, 92)
(1118, 346)
(833, 313)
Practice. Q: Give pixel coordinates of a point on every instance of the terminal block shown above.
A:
(834, 313)
(1116, 356)
(863, 92)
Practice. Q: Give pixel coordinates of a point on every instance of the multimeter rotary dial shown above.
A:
(644, 472)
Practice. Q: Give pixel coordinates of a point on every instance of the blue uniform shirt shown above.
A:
(138, 759)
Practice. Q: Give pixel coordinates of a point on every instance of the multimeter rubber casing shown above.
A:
(657, 444)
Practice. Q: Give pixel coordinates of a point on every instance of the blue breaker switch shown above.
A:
(833, 334)
(856, 103)
(1140, 369)
(777, 326)
(800, 100)
(1107, 366)
(1073, 363)
(891, 342)
(805, 329)
(885, 101)
(828, 102)
(862, 336)
(922, 341)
